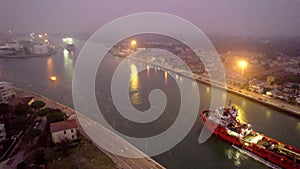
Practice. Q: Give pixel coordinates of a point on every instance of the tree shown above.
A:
(21, 165)
(37, 105)
(65, 145)
(20, 123)
(39, 156)
(295, 86)
(44, 111)
(56, 117)
(22, 109)
(33, 133)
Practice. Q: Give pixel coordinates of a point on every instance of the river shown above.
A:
(33, 74)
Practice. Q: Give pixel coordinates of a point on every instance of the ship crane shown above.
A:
(231, 115)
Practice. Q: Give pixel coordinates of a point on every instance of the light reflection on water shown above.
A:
(268, 114)
(134, 85)
(50, 66)
(241, 114)
(235, 156)
(68, 62)
(166, 78)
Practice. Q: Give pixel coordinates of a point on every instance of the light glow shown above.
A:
(133, 43)
(53, 78)
(68, 41)
(243, 64)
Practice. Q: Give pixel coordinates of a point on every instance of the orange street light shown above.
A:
(243, 64)
(133, 44)
(53, 78)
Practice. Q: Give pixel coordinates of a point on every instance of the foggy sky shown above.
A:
(230, 17)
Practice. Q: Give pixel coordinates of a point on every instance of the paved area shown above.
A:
(11, 163)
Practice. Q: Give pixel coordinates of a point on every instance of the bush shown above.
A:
(22, 110)
(33, 133)
(56, 117)
(37, 104)
(44, 112)
(20, 123)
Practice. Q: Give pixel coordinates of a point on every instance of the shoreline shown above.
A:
(72, 114)
(30, 55)
(270, 102)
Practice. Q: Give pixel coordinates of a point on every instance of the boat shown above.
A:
(223, 122)
(68, 43)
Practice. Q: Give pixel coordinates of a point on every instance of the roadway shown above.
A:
(106, 139)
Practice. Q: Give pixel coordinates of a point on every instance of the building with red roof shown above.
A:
(63, 130)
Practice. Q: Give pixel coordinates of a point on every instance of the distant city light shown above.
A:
(45, 34)
(40, 36)
(133, 43)
(243, 63)
(53, 78)
(68, 40)
(46, 40)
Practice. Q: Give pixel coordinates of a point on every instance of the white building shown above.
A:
(2, 132)
(256, 85)
(63, 130)
(40, 49)
(298, 100)
(6, 92)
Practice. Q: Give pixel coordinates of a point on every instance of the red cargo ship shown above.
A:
(223, 122)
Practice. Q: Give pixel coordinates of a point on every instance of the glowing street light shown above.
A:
(243, 64)
(53, 78)
(133, 44)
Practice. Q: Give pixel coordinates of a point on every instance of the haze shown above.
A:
(233, 17)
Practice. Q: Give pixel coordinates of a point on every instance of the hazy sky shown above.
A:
(227, 17)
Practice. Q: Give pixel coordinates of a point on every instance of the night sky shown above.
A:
(228, 17)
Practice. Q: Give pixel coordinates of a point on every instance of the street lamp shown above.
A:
(243, 64)
(53, 79)
(133, 44)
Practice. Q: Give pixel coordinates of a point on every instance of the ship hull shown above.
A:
(258, 150)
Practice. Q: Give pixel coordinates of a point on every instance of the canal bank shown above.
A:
(106, 135)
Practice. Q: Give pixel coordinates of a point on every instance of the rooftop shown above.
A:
(63, 125)
(21, 100)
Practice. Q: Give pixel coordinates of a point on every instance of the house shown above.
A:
(63, 130)
(256, 85)
(23, 100)
(2, 132)
(278, 94)
(6, 92)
